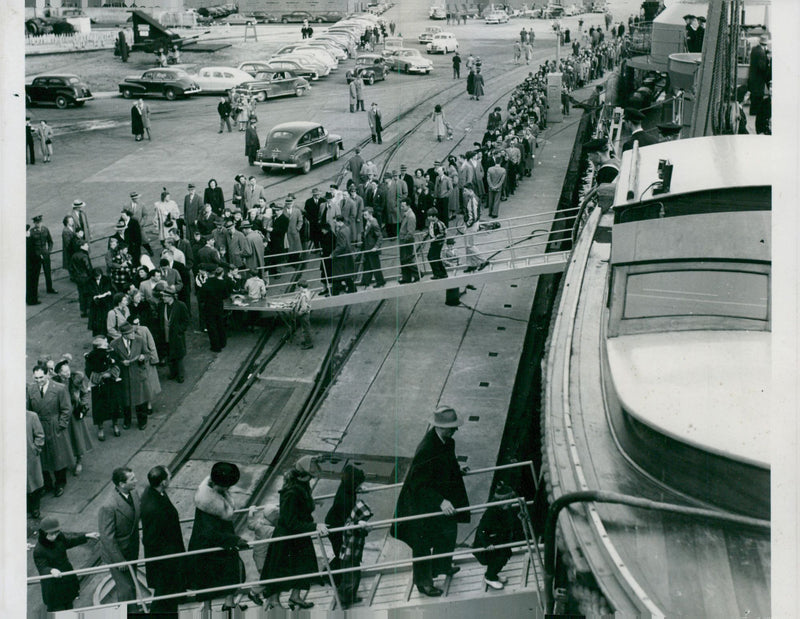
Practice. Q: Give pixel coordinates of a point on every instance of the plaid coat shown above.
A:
(353, 542)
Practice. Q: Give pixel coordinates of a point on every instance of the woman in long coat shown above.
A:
(103, 371)
(478, 84)
(293, 556)
(35, 439)
(213, 196)
(100, 302)
(78, 391)
(213, 528)
(137, 122)
(471, 84)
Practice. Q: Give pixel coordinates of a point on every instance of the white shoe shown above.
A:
(494, 584)
(502, 578)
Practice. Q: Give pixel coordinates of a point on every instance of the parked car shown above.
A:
(262, 17)
(237, 19)
(269, 84)
(337, 51)
(218, 79)
(345, 42)
(318, 53)
(442, 43)
(253, 67)
(371, 68)
(438, 12)
(300, 67)
(496, 17)
(297, 146)
(61, 89)
(430, 31)
(296, 17)
(328, 16)
(573, 10)
(407, 60)
(169, 83)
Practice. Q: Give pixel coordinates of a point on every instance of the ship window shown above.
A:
(703, 292)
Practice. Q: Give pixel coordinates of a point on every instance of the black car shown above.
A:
(169, 83)
(371, 68)
(296, 17)
(63, 90)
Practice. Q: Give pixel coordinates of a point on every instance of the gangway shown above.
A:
(507, 249)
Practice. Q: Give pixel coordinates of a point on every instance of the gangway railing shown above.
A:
(529, 544)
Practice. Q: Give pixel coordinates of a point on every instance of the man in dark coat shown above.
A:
(161, 535)
(132, 235)
(758, 74)
(50, 558)
(42, 246)
(192, 207)
(213, 294)
(312, 212)
(173, 321)
(638, 134)
(251, 142)
(82, 270)
(224, 111)
(434, 483)
(51, 402)
(119, 530)
(33, 265)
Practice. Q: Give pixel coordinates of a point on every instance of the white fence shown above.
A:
(69, 42)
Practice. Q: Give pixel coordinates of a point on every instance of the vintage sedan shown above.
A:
(218, 79)
(371, 68)
(407, 60)
(237, 19)
(316, 53)
(63, 90)
(169, 83)
(297, 146)
(337, 51)
(427, 36)
(302, 65)
(268, 84)
(496, 17)
(296, 17)
(442, 43)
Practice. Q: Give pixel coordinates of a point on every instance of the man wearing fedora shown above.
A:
(138, 387)
(434, 483)
(81, 219)
(173, 321)
(119, 531)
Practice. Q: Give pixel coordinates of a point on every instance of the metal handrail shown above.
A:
(101, 568)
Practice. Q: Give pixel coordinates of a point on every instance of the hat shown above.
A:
(228, 223)
(700, 18)
(50, 525)
(76, 203)
(120, 224)
(307, 465)
(246, 224)
(689, 16)
(289, 200)
(594, 145)
(225, 474)
(446, 417)
(403, 166)
(168, 291)
(763, 39)
(37, 218)
(669, 128)
(431, 212)
(633, 115)
(126, 328)
(503, 492)
(134, 194)
(100, 342)
(190, 186)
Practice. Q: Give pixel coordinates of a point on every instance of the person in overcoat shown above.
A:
(351, 553)
(143, 331)
(375, 120)
(237, 200)
(78, 390)
(173, 319)
(396, 192)
(343, 263)
(214, 292)
(255, 239)
(213, 195)
(81, 219)
(353, 213)
(162, 535)
(101, 301)
(103, 369)
(82, 270)
(478, 84)
(213, 528)
(137, 389)
(294, 556)
(34, 435)
(69, 244)
(498, 525)
(471, 83)
(237, 246)
(192, 207)
(137, 122)
(294, 244)
(51, 402)
(118, 520)
(343, 503)
(50, 558)
(251, 142)
(434, 483)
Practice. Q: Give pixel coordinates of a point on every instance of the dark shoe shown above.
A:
(116, 431)
(255, 598)
(470, 269)
(52, 291)
(470, 287)
(429, 590)
(126, 426)
(452, 571)
(84, 315)
(59, 491)
(299, 604)
(180, 379)
(142, 426)
(403, 281)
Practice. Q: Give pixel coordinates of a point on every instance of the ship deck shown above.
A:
(644, 562)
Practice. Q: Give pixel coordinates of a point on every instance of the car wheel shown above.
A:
(261, 96)
(306, 166)
(61, 102)
(170, 94)
(126, 93)
(320, 20)
(336, 151)
(407, 69)
(299, 91)
(371, 80)
(284, 21)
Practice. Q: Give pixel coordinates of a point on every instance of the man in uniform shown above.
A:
(638, 134)
(42, 246)
(434, 483)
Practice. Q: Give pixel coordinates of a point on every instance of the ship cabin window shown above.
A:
(650, 298)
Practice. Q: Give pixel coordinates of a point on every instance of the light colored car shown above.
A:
(299, 65)
(442, 43)
(297, 146)
(237, 19)
(407, 60)
(430, 32)
(336, 51)
(313, 52)
(253, 67)
(572, 10)
(340, 39)
(306, 62)
(218, 79)
(267, 85)
(496, 17)
(437, 12)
